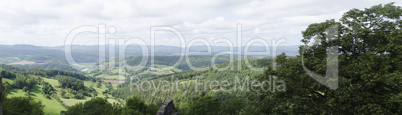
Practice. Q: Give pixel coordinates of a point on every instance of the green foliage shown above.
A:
(135, 103)
(116, 109)
(47, 89)
(98, 84)
(184, 96)
(76, 109)
(12, 68)
(206, 105)
(53, 72)
(25, 89)
(25, 81)
(196, 61)
(52, 65)
(369, 71)
(369, 43)
(79, 96)
(231, 106)
(7, 74)
(135, 106)
(36, 71)
(22, 106)
(70, 82)
(95, 106)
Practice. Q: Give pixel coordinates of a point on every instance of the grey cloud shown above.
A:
(36, 21)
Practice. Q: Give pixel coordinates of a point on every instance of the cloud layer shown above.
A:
(47, 23)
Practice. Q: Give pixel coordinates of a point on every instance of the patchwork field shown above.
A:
(114, 82)
(52, 106)
(115, 79)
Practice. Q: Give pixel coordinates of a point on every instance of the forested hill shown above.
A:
(29, 56)
(195, 61)
(37, 54)
(354, 66)
(42, 72)
(14, 53)
(185, 96)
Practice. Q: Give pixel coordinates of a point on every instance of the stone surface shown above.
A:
(167, 108)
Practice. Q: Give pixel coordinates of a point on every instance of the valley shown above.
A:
(348, 65)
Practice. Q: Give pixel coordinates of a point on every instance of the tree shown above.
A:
(117, 108)
(95, 106)
(70, 82)
(369, 43)
(94, 94)
(47, 89)
(23, 81)
(206, 105)
(25, 89)
(135, 105)
(22, 106)
(231, 106)
(7, 74)
(76, 109)
(98, 84)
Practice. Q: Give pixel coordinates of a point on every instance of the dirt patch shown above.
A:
(114, 82)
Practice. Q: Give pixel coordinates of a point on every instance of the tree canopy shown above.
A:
(369, 44)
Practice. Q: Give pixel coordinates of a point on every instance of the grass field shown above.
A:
(7, 80)
(52, 82)
(110, 77)
(52, 106)
(112, 101)
(16, 93)
(70, 102)
(99, 90)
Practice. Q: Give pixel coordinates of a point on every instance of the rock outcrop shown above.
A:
(167, 108)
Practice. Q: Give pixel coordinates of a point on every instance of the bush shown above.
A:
(95, 106)
(22, 106)
(7, 74)
(79, 96)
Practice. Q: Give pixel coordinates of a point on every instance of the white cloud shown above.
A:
(47, 23)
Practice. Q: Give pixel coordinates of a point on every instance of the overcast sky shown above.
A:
(47, 23)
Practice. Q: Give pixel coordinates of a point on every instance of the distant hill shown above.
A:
(134, 50)
(30, 56)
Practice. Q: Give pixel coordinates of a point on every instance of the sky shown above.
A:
(49, 22)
